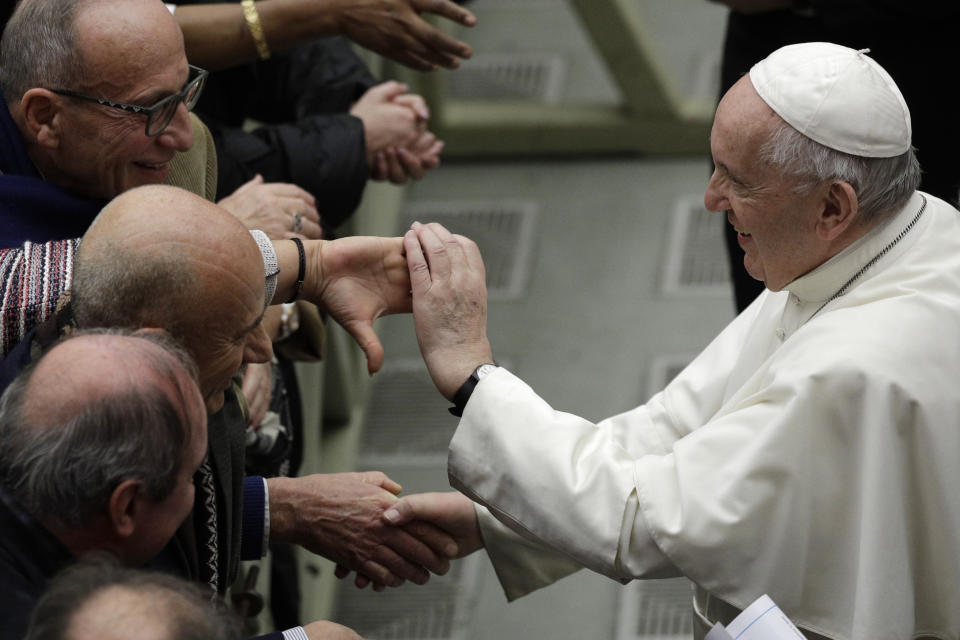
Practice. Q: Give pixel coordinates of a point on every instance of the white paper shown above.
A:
(718, 633)
(762, 620)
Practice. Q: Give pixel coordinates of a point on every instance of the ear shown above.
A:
(40, 111)
(839, 211)
(125, 504)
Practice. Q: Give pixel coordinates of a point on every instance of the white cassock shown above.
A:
(810, 454)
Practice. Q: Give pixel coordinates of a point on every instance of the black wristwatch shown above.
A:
(463, 394)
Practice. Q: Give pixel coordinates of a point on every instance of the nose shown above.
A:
(258, 347)
(179, 133)
(714, 199)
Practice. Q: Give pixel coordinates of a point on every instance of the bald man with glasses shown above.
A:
(96, 100)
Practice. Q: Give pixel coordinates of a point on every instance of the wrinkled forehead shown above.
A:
(743, 120)
(123, 39)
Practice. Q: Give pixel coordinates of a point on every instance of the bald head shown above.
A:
(90, 369)
(72, 43)
(125, 36)
(162, 257)
(92, 412)
(99, 599)
(158, 256)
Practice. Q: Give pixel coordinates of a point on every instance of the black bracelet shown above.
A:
(303, 269)
(462, 396)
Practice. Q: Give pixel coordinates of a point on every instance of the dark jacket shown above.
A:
(29, 557)
(306, 136)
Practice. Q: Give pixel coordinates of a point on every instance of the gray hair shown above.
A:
(882, 185)
(184, 607)
(65, 473)
(39, 47)
(116, 287)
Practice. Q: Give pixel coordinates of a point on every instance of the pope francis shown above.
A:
(810, 451)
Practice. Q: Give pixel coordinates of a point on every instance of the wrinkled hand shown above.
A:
(449, 303)
(340, 516)
(755, 6)
(398, 165)
(257, 388)
(271, 207)
(359, 280)
(394, 28)
(399, 145)
(451, 511)
(387, 122)
(326, 630)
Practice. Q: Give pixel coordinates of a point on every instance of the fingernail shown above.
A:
(392, 515)
(451, 550)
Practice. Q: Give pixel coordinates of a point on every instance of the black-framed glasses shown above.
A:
(160, 114)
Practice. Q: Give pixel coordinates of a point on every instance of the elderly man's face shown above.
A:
(776, 227)
(133, 53)
(161, 519)
(229, 333)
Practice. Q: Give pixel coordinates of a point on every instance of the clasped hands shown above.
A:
(399, 145)
(448, 284)
(436, 274)
(356, 519)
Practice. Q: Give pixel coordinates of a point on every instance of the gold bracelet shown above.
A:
(256, 29)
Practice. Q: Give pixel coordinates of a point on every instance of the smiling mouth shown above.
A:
(155, 166)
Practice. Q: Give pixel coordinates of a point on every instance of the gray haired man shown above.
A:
(102, 437)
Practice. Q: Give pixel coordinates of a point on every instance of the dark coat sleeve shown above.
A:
(305, 135)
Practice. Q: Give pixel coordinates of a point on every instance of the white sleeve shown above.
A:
(520, 475)
(571, 485)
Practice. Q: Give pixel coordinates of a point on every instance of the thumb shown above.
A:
(382, 480)
(257, 179)
(365, 336)
(402, 511)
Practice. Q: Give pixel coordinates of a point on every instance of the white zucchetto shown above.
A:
(837, 96)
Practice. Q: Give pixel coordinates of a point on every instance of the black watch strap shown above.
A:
(462, 396)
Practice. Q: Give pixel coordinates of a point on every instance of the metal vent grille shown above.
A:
(408, 421)
(538, 77)
(656, 610)
(504, 231)
(438, 610)
(696, 257)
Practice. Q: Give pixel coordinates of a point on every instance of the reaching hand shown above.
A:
(274, 208)
(394, 28)
(361, 279)
(340, 516)
(449, 303)
(450, 510)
